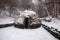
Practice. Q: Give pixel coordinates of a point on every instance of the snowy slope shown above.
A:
(54, 23)
(11, 33)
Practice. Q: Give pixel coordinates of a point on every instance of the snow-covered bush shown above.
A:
(58, 17)
(48, 19)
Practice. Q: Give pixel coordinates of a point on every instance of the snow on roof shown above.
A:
(28, 13)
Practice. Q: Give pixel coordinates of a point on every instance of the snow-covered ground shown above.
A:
(54, 23)
(11, 33)
(6, 20)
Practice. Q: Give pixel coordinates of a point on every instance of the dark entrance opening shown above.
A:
(27, 23)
